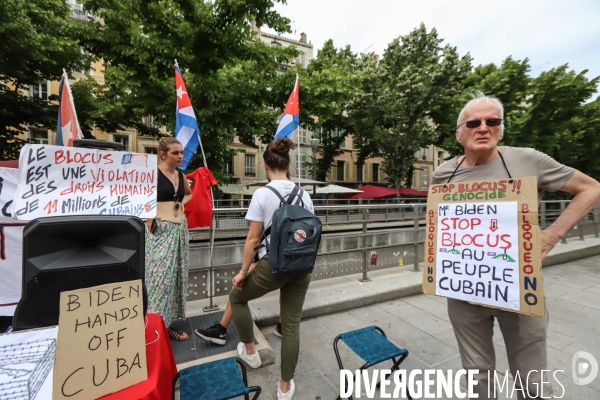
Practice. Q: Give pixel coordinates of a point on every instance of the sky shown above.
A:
(548, 32)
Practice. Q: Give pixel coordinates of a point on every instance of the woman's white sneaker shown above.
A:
(253, 360)
(289, 394)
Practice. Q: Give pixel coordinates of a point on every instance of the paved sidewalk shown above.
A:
(420, 324)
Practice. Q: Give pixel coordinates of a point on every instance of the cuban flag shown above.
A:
(67, 127)
(291, 115)
(186, 126)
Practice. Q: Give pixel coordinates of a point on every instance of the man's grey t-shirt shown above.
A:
(521, 162)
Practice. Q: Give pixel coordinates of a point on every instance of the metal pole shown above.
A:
(417, 212)
(211, 272)
(365, 278)
(299, 166)
(314, 162)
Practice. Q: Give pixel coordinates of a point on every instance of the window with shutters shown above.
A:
(425, 177)
(39, 90)
(340, 170)
(359, 173)
(123, 139)
(375, 172)
(229, 166)
(250, 169)
(38, 136)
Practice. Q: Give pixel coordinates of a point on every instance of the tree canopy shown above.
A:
(417, 75)
(228, 71)
(328, 86)
(37, 41)
(392, 107)
(552, 112)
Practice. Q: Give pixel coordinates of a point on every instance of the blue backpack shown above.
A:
(295, 236)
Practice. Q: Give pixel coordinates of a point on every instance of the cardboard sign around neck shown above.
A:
(483, 244)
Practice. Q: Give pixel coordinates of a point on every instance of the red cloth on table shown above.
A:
(199, 210)
(160, 363)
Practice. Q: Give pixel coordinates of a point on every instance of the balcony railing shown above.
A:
(78, 13)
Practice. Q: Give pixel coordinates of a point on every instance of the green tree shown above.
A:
(559, 122)
(367, 113)
(417, 75)
(37, 40)
(328, 86)
(88, 107)
(227, 70)
(551, 113)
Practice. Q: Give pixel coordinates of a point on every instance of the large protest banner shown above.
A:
(101, 346)
(11, 244)
(483, 244)
(57, 180)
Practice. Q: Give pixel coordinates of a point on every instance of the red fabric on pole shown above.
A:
(161, 366)
(199, 210)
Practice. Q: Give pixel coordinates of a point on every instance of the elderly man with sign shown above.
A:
(480, 127)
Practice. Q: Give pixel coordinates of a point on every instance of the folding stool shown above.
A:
(372, 346)
(216, 380)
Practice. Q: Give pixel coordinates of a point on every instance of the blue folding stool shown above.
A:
(216, 380)
(372, 346)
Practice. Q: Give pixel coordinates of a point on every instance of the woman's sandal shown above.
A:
(177, 335)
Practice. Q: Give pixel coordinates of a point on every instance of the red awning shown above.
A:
(408, 192)
(373, 192)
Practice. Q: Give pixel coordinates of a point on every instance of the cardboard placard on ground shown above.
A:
(58, 180)
(483, 244)
(101, 346)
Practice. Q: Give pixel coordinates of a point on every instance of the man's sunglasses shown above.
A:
(476, 123)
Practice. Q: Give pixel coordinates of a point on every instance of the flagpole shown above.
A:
(79, 134)
(298, 136)
(210, 289)
(299, 166)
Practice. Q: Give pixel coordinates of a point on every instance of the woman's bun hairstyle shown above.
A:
(277, 154)
(166, 142)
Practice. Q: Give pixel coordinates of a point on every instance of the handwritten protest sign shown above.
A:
(101, 345)
(11, 244)
(483, 244)
(57, 180)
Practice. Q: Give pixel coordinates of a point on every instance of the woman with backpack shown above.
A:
(261, 280)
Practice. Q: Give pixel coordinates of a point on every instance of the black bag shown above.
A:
(295, 236)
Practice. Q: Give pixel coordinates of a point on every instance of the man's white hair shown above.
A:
(479, 97)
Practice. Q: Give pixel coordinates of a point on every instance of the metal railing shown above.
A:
(350, 242)
(234, 218)
(244, 203)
